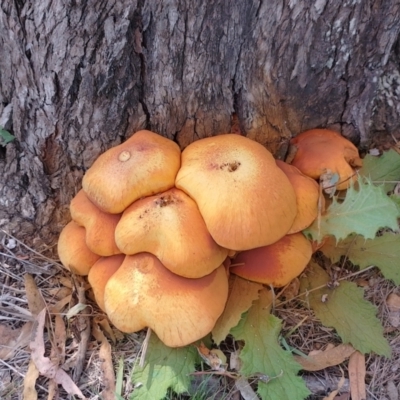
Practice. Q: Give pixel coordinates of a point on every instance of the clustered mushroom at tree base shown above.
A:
(154, 228)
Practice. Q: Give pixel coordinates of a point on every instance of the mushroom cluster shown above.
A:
(153, 227)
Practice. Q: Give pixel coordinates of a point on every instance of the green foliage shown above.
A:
(383, 252)
(385, 168)
(364, 211)
(5, 137)
(262, 354)
(345, 309)
(165, 368)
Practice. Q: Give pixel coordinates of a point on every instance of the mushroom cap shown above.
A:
(276, 264)
(73, 251)
(100, 226)
(245, 199)
(145, 164)
(307, 196)
(169, 225)
(100, 273)
(322, 150)
(142, 292)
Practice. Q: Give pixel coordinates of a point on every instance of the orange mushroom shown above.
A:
(100, 273)
(276, 264)
(73, 252)
(245, 199)
(170, 226)
(307, 196)
(100, 226)
(321, 151)
(145, 164)
(143, 293)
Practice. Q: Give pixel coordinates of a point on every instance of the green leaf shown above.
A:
(262, 354)
(165, 368)
(5, 137)
(383, 252)
(364, 211)
(345, 309)
(385, 168)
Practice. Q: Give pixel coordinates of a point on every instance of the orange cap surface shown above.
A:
(100, 226)
(245, 199)
(73, 252)
(276, 264)
(321, 150)
(307, 196)
(143, 293)
(145, 164)
(100, 273)
(169, 225)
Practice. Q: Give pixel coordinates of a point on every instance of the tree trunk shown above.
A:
(78, 78)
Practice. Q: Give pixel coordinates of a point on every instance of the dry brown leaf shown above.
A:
(247, 392)
(357, 376)
(215, 358)
(108, 378)
(393, 304)
(334, 393)
(105, 326)
(60, 293)
(45, 366)
(57, 307)
(31, 376)
(33, 295)
(12, 340)
(242, 293)
(327, 358)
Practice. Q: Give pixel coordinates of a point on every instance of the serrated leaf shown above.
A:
(5, 137)
(382, 251)
(262, 354)
(364, 211)
(165, 368)
(385, 168)
(242, 293)
(345, 309)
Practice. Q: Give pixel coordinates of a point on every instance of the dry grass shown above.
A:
(301, 330)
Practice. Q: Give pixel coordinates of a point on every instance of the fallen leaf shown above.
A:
(213, 358)
(324, 359)
(392, 391)
(108, 376)
(247, 392)
(33, 295)
(105, 326)
(242, 293)
(393, 304)
(12, 340)
(31, 376)
(334, 393)
(357, 376)
(45, 366)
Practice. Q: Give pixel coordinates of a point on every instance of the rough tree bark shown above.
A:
(78, 77)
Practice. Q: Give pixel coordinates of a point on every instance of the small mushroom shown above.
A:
(276, 264)
(307, 196)
(245, 199)
(100, 226)
(73, 251)
(100, 273)
(144, 165)
(143, 293)
(322, 151)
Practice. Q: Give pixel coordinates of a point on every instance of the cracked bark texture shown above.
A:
(77, 77)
